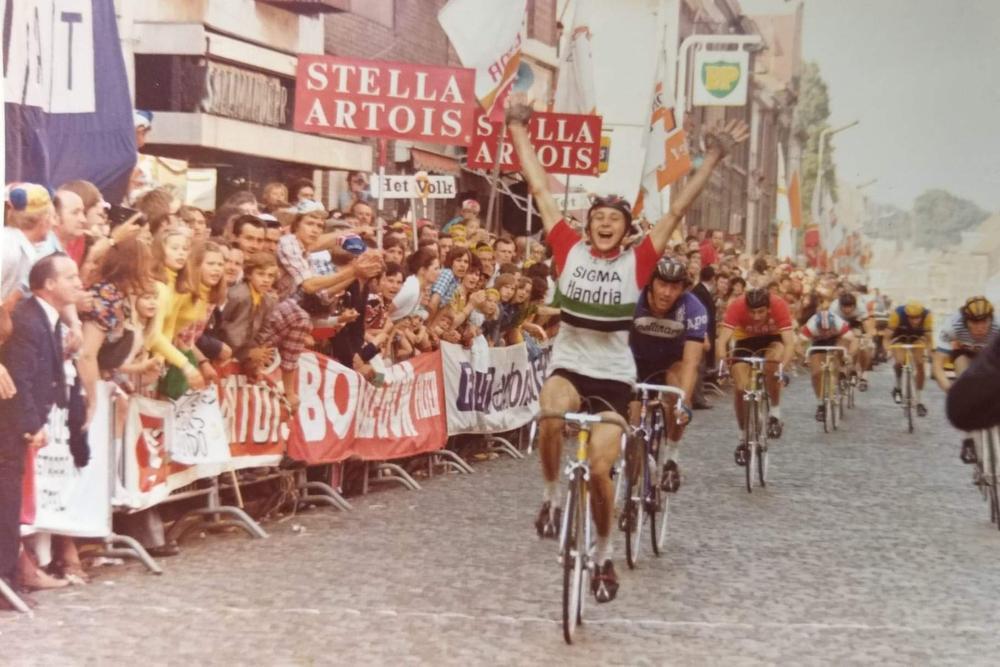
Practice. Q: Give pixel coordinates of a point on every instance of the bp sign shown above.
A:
(721, 78)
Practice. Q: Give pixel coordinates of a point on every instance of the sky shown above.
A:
(923, 79)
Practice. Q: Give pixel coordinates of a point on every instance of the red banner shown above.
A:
(373, 98)
(342, 415)
(565, 143)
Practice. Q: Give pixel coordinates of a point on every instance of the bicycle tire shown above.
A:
(994, 492)
(762, 443)
(827, 403)
(659, 512)
(634, 506)
(908, 398)
(750, 440)
(572, 561)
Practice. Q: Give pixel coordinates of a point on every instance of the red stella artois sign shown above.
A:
(565, 143)
(373, 98)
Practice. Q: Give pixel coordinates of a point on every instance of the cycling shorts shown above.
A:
(616, 394)
(755, 346)
(656, 372)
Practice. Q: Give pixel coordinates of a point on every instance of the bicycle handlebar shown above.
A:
(661, 389)
(585, 418)
(827, 348)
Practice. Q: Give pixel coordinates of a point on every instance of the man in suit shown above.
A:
(33, 356)
(704, 291)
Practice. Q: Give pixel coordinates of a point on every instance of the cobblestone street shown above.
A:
(868, 546)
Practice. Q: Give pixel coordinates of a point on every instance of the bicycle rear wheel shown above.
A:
(573, 557)
(633, 514)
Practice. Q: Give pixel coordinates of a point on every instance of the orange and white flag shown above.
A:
(487, 36)
(667, 158)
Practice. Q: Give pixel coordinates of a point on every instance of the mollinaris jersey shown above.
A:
(598, 297)
(660, 340)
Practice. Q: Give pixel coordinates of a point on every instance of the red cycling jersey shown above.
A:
(737, 317)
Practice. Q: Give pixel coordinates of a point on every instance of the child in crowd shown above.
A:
(248, 305)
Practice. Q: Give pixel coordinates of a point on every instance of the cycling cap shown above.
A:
(671, 270)
(758, 297)
(977, 309)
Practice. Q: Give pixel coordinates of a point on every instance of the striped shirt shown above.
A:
(955, 335)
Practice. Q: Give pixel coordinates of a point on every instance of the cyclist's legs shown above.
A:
(918, 363)
(741, 380)
(864, 356)
(899, 355)
(771, 379)
(558, 395)
(605, 444)
(816, 370)
(674, 430)
(961, 363)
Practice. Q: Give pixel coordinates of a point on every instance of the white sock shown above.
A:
(551, 493)
(776, 411)
(602, 549)
(673, 449)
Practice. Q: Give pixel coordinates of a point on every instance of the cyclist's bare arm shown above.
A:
(693, 350)
(722, 344)
(720, 143)
(937, 369)
(787, 354)
(518, 115)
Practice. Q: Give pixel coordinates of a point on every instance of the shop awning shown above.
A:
(311, 6)
(202, 130)
(439, 164)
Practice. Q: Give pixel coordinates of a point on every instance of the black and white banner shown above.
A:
(491, 390)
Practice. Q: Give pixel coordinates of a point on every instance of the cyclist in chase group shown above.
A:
(598, 287)
(668, 341)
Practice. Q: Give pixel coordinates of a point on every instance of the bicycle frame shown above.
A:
(756, 408)
(908, 379)
(830, 383)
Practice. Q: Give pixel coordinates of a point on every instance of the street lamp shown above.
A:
(820, 171)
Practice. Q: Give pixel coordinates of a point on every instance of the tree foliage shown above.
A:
(939, 217)
(811, 114)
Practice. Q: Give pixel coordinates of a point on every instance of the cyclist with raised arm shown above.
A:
(826, 329)
(598, 286)
(914, 325)
(668, 341)
(963, 336)
(760, 325)
(862, 324)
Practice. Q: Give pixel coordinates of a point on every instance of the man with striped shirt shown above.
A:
(964, 336)
(598, 287)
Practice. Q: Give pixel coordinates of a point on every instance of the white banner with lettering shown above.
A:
(494, 389)
(199, 429)
(70, 500)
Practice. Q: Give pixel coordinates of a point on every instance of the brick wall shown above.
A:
(416, 35)
(542, 21)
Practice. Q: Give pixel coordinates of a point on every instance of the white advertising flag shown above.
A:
(487, 36)
(575, 85)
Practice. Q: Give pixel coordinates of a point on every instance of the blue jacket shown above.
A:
(34, 359)
(658, 340)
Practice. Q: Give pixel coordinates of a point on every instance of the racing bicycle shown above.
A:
(646, 494)
(832, 384)
(756, 408)
(908, 387)
(576, 534)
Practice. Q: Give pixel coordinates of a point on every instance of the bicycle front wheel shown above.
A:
(659, 508)
(573, 550)
(908, 398)
(990, 449)
(633, 513)
(753, 435)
